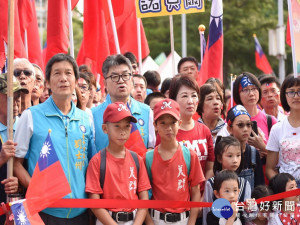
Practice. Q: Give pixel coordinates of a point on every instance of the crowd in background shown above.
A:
(247, 138)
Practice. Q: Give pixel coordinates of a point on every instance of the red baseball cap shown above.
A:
(166, 106)
(116, 112)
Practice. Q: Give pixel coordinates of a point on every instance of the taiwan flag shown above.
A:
(48, 183)
(212, 65)
(22, 215)
(261, 60)
(135, 142)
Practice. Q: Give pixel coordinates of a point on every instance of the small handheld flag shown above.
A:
(22, 215)
(261, 60)
(48, 183)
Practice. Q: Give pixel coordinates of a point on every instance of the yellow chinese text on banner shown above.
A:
(153, 8)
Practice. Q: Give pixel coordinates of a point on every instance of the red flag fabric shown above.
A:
(94, 36)
(22, 215)
(48, 183)
(126, 24)
(33, 41)
(135, 142)
(25, 14)
(19, 51)
(74, 3)
(288, 32)
(57, 28)
(261, 60)
(212, 65)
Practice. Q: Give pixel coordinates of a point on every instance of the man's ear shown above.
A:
(216, 193)
(104, 128)
(47, 84)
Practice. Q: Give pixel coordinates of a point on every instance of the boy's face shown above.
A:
(167, 127)
(241, 128)
(154, 101)
(119, 132)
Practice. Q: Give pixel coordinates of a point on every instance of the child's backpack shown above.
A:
(149, 160)
(103, 165)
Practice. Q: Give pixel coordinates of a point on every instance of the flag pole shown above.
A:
(113, 24)
(138, 23)
(172, 44)
(201, 29)
(26, 43)
(70, 29)
(183, 35)
(292, 38)
(10, 81)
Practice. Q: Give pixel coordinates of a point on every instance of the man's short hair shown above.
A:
(84, 68)
(23, 60)
(153, 78)
(131, 57)
(115, 60)
(186, 59)
(141, 77)
(61, 57)
(152, 96)
(268, 79)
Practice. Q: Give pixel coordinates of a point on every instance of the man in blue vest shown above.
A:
(117, 72)
(71, 136)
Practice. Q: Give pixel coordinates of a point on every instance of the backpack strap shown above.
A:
(187, 158)
(136, 161)
(102, 166)
(243, 184)
(269, 122)
(149, 161)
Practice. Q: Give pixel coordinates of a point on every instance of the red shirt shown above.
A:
(170, 180)
(121, 180)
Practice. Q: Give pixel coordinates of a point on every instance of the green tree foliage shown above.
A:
(241, 19)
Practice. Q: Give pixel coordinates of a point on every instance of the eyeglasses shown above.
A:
(242, 125)
(116, 77)
(84, 87)
(247, 91)
(292, 94)
(272, 91)
(18, 72)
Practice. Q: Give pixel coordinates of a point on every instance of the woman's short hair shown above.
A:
(182, 80)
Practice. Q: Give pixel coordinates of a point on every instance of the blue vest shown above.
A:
(73, 143)
(139, 110)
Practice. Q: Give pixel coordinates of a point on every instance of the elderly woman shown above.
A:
(210, 108)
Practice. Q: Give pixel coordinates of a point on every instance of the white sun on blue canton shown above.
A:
(21, 217)
(45, 150)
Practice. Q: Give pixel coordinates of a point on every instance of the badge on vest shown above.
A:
(82, 128)
(141, 122)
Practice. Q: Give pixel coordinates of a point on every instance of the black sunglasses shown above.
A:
(18, 73)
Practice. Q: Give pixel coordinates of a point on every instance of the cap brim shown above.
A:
(167, 112)
(132, 119)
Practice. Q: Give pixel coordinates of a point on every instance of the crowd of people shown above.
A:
(202, 144)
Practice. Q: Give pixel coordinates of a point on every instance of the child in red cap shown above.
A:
(174, 170)
(117, 173)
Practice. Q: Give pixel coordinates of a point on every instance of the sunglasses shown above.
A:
(242, 125)
(18, 73)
